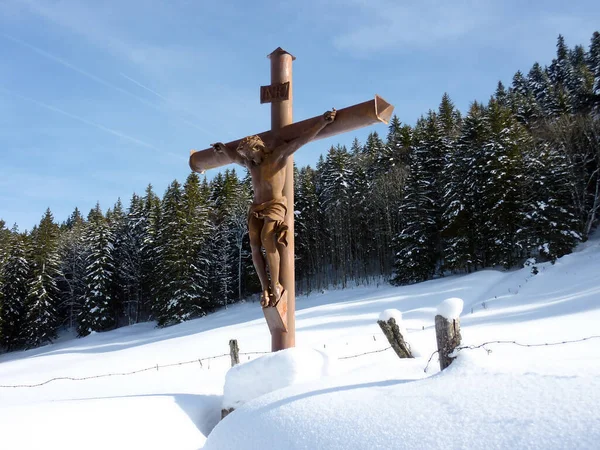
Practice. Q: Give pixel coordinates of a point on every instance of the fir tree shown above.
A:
(16, 275)
(522, 101)
(336, 197)
(228, 197)
(580, 82)
(374, 155)
(148, 228)
(170, 304)
(238, 227)
(461, 218)
(71, 250)
(5, 238)
(117, 221)
(73, 220)
(501, 94)
(539, 86)
(41, 318)
(449, 118)
(594, 66)
(197, 231)
(43, 297)
(222, 263)
(128, 251)
(310, 247)
(560, 67)
(503, 224)
(449, 123)
(366, 230)
(395, 151)
(550, 216)
(96, 311)
(519, 84)
(415, 246)
(561, 74)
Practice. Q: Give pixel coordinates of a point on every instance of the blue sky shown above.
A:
(100, 98)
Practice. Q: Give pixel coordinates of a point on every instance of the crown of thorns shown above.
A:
(250, 142)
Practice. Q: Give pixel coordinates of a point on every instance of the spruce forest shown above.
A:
(514, 179)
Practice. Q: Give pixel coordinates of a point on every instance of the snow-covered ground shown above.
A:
(512, 397)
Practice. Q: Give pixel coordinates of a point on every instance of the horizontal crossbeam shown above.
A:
(347, 119)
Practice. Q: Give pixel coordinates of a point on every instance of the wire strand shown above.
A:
(545, 344)
(366, 353)
(208, 358)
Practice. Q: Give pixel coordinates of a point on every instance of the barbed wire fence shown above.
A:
(208, 359)
(199, 361)
(365, 353)
(519, 344)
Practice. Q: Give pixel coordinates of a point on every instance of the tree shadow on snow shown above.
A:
(131, 337)
(540, 307)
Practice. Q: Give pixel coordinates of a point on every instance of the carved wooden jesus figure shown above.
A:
(266, 162)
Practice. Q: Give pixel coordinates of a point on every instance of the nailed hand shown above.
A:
(329, 116)
(219, 147)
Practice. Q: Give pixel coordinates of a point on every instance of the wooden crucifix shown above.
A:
(269, 158)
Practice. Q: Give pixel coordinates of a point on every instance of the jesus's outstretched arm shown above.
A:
(287, 149)
(233, 155)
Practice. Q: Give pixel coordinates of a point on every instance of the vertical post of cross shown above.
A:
(282, 115)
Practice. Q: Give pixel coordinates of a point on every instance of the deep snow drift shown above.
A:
(273, 371)
(511, 397)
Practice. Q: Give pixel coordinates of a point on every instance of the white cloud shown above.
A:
(384, 24)
(121, 28)
(136, 34)
(90, 123)
(361, 27)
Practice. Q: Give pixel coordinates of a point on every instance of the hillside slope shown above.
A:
(544, 397)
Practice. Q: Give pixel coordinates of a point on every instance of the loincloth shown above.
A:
(274, 210)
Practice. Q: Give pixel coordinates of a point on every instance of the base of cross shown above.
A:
(276, 316)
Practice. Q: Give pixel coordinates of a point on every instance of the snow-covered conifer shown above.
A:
(15, 279)
(96, 313)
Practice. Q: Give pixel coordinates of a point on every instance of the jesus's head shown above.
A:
(252, 148)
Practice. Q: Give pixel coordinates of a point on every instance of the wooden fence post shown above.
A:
(226, 412)
(234, 352)
(394, 336)
(447, 332)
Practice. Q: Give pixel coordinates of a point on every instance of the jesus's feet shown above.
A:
(277, 294)
(265, 299)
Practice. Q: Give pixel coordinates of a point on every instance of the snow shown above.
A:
(474, 404)
(451, 308)
(501, 396)
(107, 423)
(529, 262)
(391, 314)
(397, 316)
(274, 371)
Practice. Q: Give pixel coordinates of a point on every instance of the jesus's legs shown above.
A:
(268, 238)
(254, 229)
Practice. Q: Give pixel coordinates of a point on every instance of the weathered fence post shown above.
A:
(447, 329)
(226, 412)
(234, 352)
(391, 329)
